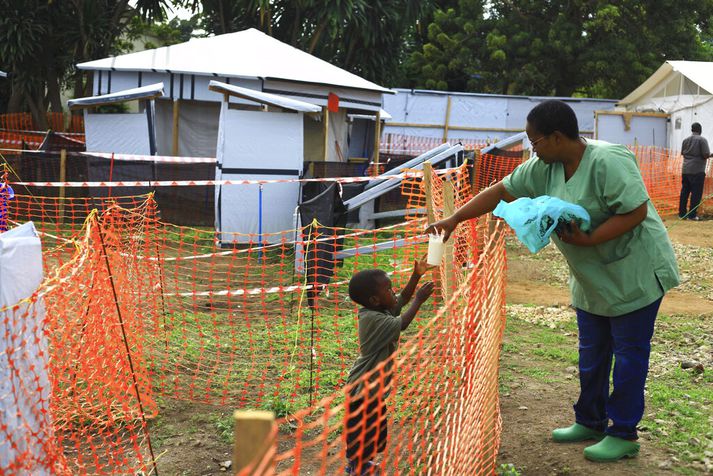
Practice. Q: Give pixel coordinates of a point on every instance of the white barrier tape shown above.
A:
(258, 248)
(270, 290)
(203, 183)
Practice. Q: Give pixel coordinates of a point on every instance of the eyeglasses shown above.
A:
(533, 143)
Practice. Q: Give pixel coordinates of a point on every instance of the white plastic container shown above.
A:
(436, 248)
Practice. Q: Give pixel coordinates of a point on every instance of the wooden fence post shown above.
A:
(62, 178)
(449, 202)
(428, 190)
(255, 433)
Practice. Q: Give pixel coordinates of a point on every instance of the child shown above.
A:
(380, 325)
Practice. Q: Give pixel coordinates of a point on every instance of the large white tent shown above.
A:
(188, 114)
(681, 89)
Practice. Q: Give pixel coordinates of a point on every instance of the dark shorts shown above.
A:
(366, 428)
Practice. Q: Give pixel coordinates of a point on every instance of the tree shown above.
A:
(367, 37)
(41, 41)
(560, 47)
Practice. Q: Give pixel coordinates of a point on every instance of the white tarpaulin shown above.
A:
(244, 54)
(24, 385)
(257, 146)
(119, 133)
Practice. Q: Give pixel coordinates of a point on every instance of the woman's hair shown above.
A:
(551, 116)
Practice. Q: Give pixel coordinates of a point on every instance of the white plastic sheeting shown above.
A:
(642, 130)
(119, 133)
(263, 98)
(257, 146)
(24, 387)
(247, 54)
(494, 116)
(145, 92)
(197, 128)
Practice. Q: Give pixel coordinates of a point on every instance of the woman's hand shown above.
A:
(445, 226)
(572, 235)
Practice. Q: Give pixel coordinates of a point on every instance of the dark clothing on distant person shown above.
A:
(695, 153)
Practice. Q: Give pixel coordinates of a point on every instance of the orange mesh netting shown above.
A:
(134, 311)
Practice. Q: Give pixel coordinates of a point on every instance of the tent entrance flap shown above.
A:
(255, 145)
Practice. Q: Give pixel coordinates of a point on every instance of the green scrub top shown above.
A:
(620, 275)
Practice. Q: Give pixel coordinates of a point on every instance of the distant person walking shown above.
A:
(695, 153)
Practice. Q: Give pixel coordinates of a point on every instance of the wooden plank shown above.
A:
(449, 208)
(62, 178)
(448, 119)
(427, 188)
(253, 437)
(377, 141)
(325, 132)
(176, 106)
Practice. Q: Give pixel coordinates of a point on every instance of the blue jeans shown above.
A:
(628, 339)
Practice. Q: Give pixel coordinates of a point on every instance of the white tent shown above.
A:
(187, 117)
(682, 89)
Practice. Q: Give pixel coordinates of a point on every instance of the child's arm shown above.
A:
(419, 269)
(421, 296)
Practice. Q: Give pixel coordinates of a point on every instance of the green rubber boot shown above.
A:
(611, 448)
(576, 433)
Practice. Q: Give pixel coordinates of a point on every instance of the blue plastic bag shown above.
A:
(534, 219)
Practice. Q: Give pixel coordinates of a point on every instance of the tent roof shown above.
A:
(145, 92)
(245, 54)
(700, 72)
(263, 98)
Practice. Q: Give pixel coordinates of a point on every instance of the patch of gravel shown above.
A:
(695, 265)
(696, 269)
(548, 316)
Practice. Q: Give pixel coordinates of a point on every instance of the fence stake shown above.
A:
(427, 176)
(176, 106)
(254, 436)
(62, 178)
(447, 121)
(449, 201)
(377, 141)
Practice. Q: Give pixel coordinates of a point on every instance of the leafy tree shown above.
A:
(559, 47)
(368, 37)
(41, 41)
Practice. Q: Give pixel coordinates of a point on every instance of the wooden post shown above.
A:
(427, 177)
(377, 141)
(62, 178)
(325, 130)
(476, 173)
(254, 437)
(447, 121)
(449, 208)
(176, 106)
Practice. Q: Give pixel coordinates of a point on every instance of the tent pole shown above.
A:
(377, 141)
(176, 106)
(325, 129)
(259, 221)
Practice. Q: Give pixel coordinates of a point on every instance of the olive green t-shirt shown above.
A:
(623, 274)
(379, 333)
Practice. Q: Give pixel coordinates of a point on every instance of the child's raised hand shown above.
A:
(420, 266)
(425, 291)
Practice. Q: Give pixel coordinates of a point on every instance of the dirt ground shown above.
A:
(532, 409)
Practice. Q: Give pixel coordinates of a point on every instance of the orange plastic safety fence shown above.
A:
(55, 121)
(137, 309)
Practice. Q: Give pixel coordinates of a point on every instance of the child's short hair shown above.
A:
(364, 285)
